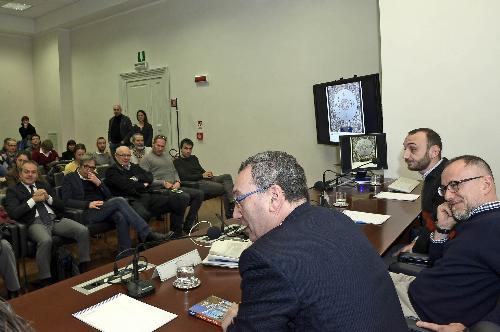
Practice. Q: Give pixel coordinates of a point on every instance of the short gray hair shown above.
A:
(86, 157)
(280, 168)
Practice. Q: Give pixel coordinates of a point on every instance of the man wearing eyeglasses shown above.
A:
(309, 268)
(119, 129)
(132, 182)
(422, 153)
(84, 190)
(463, 286)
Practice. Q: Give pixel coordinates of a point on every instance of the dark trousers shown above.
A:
(123, 215)
(149, 205)
(217, 186)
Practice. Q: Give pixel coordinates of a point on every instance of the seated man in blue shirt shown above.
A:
(463, 286)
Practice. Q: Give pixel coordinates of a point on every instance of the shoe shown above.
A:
(176, 235)
(155, 236)
(41, 283)
(12, 294)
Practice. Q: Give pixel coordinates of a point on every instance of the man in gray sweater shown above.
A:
(166, 177)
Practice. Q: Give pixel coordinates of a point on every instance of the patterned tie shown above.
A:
(43, 214)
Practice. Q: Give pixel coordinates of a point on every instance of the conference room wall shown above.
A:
(16, 79)
(261, 58)
(440, 69)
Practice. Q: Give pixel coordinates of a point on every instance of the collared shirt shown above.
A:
(31, 202)
(45, 154)
(430, 170)
(485, 207)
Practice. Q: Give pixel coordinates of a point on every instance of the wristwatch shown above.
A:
(442, 230)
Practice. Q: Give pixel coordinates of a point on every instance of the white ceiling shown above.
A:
(50, 14)
(40, 7)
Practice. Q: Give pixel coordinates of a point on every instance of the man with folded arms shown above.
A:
(132, 182)
(463, 285)
(165, 177)
(309, 268)
(84, 190)
(35, 204)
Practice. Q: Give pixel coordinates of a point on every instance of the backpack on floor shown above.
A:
(63, 265)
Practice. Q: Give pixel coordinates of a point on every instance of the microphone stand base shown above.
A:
(140, 288)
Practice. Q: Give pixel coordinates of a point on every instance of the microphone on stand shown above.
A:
(138, 288)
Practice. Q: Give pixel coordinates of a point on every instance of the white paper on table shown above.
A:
(366, 218)
(122, 313)
(397, 196)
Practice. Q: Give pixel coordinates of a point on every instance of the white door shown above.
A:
(151, 96)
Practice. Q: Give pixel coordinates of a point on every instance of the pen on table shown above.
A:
(359, 222)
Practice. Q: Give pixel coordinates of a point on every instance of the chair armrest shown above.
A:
(23, 239)
(74, 214)
(414, 258)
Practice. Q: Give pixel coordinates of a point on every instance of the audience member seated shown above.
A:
(193, 175)
(119, 129)
(8, 269)
(35, 204)
(132, 182)
(143, 127)
(46, 155)
(165, 177)
(26, 131)
(35, 144)
(102, 157)
(84, 190)
(463, 285)
(80, 150)
(12, 176)
(69, 154)
(309, 268)
(7, 158)
(12, 322)
(138, 149)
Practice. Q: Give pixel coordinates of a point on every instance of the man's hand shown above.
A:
(167, 185)
(40, 195)
(95, 204)
(228, 317)
(94, 179)
(445, 216)
(208, 175)
(176, 185)
(452, 327)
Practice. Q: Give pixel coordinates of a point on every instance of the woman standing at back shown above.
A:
(143, 127)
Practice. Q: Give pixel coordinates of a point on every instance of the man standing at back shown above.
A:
(119, 129)
(309, 268)
(193, 175)
(422, 153)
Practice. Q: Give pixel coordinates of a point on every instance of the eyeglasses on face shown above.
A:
(238, 199)
(89, 167)
(124, 155)
(453, 186)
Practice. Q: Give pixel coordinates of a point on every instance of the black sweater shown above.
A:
(189, 169)
(464, 284)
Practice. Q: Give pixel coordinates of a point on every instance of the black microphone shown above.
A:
(137, 288)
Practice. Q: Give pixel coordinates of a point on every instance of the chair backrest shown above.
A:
(58, 179)
(101, 171)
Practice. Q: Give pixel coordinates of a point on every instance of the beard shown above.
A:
(418, 165)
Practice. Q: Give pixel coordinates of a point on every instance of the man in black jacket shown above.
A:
(84, 190)
(35, 204)
(193, 175)
(119, 129)
(131, 181)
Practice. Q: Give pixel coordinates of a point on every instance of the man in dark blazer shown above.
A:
(309, 268)
(131, 181)
(35, 204)
(119, 129)
(84, 190)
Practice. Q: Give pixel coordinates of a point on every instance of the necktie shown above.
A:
(43, 214)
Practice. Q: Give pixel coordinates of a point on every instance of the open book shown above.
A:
(226, 253)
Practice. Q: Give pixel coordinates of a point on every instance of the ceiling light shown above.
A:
(16, 6)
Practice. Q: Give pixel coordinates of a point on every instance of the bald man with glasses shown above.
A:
(463, 286)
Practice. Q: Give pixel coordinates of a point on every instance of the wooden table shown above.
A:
(50, 308)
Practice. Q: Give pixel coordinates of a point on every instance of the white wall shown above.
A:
(261, 57)
(16, 81)
(440, 69)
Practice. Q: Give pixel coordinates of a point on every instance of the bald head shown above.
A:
(122, 155)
